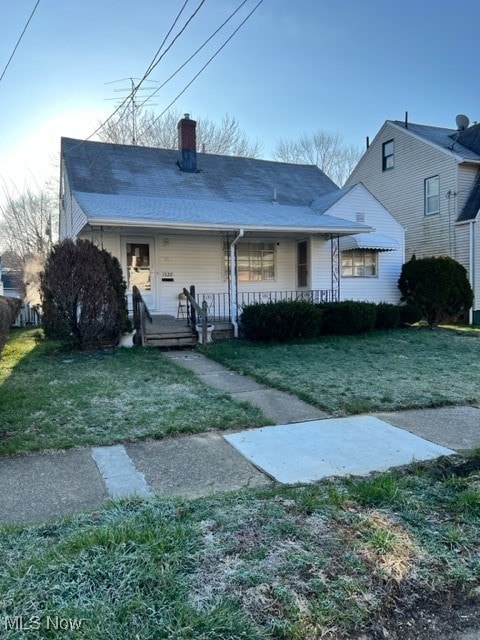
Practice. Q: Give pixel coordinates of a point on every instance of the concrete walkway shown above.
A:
(40, 486)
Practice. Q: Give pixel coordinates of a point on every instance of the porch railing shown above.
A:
(140, 314)
(218, 304)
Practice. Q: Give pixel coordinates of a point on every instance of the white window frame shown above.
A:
(430, 210)
(358, 257)
(259, 247)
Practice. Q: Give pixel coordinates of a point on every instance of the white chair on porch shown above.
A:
(182, 310)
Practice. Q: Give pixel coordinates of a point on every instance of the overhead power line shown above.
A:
(150, 67)
(194, 53)
(204, 67)
(19, 39)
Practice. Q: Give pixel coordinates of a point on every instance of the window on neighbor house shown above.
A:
(359, 263)
(388, 155)
(255, 261)
(432, 195)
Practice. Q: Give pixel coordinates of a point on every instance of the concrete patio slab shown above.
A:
(40, 486)
(309, 451)
(194, 466)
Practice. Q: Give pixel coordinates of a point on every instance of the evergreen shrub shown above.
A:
(438, 285)
(281, 321)
(348, 317)
(83, 296)
(410, 313)
(388, 316)
(9, 307)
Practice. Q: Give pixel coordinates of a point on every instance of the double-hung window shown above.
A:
(255, 261)
(359, 263)
(388, 155)
(432, 195)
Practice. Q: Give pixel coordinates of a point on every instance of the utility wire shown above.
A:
(19, 39)
(203, 68)
(151, 66)
(193, 54)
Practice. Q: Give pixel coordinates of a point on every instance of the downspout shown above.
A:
(472, 268)
(233, 283)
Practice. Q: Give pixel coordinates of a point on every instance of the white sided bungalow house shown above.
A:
(429, 179)
(240, 230)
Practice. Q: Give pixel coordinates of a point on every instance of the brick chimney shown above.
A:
(187, 144)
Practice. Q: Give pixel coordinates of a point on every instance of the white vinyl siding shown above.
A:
(71, 219)
(402, 191)
(382, 288)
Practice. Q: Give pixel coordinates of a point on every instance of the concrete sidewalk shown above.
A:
(40, 486)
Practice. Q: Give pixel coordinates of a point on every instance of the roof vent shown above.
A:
(462, 122)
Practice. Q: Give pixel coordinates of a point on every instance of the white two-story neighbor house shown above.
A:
(240, 230)
(429, 180)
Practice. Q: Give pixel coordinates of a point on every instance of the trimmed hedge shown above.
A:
(388, 316)
(9, 307)
(284, 321)
(281, 321)
(348, 317)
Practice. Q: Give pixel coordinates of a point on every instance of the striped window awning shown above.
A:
(372, 241)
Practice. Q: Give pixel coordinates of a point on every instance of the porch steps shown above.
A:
(169, 332)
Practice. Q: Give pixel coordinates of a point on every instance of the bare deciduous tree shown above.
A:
(328, 151)
(27, 223)
(224, 138)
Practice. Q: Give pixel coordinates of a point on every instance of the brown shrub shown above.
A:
(9, 308)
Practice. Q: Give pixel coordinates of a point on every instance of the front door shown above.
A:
(139, 265)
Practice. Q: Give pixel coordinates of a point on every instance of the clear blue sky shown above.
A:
(296, 66)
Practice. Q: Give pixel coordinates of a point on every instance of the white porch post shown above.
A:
(233, 283)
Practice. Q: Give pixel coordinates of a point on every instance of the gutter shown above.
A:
(109, 222)
(233, 283)
(471, 265)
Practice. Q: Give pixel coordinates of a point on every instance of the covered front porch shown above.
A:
(198, 310)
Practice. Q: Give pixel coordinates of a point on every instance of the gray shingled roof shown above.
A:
(97, 167)
(141, 184)
(470, 138)
(447, 139)
(472, 205)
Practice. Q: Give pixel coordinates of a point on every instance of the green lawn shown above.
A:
(50, 398)
(337, 559)
(380, 371)
(332, 560)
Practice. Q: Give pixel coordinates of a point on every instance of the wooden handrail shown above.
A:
(195, 309)
(140, 312)
(193, 302)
